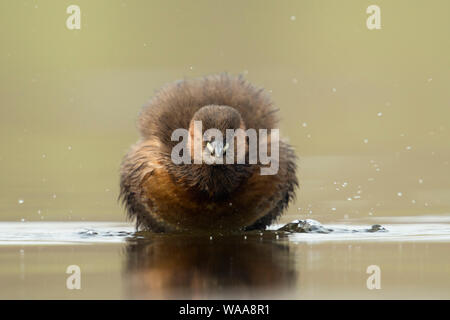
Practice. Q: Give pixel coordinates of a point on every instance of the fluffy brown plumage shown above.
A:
(163, 196)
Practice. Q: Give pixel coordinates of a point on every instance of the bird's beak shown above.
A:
(217, 148)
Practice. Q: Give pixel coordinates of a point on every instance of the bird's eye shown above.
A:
(210, 147)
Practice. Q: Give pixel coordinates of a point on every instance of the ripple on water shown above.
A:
(436, 228)
(33, 233)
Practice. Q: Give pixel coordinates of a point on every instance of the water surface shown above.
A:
(116, 263)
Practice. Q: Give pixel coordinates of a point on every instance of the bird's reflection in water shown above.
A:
(179, 266)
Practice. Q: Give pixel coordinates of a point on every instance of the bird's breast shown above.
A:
(181, 207)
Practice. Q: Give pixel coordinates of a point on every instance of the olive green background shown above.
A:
(69, 98)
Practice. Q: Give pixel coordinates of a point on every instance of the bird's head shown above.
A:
(216, 142)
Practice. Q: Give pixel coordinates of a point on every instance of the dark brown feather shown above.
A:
(163, 196)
